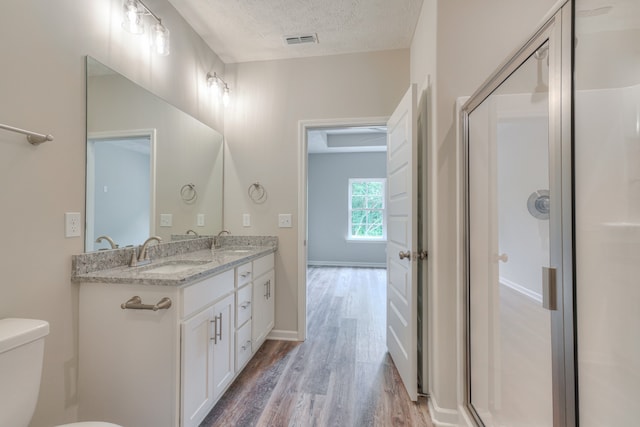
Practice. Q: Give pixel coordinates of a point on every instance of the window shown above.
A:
(367, 217)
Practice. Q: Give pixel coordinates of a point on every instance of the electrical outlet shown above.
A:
(246, 220)
(284, 221)
(72, 224)
(200, 220)
(166, 220)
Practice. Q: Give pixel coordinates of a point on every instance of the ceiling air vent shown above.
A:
(306, 38)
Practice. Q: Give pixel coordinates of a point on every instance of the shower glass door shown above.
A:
(510, 330)
(518, 217)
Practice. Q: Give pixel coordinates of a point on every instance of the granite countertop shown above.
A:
(193, 265)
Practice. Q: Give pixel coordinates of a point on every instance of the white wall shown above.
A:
(471, 40)
(607, 211)
(328, 208)
(261, 132)
(42, 83)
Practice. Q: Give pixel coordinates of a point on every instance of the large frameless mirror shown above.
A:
(151, 168)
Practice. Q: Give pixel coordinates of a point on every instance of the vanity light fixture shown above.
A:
(133, 22)
(218, 85)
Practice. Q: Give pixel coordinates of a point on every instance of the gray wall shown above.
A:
(328, 194)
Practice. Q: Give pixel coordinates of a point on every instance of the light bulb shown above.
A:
(214, 84)
(160, 39)
(225, 96)
(132, 21)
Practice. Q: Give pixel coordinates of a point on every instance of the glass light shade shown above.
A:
(160, 42)
(214, 83)
(225, 96)
(132, 17)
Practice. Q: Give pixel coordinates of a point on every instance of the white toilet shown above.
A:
(21, 354)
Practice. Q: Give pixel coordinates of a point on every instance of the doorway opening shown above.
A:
(333, 152)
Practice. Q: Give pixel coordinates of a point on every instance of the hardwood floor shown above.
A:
(340, 376)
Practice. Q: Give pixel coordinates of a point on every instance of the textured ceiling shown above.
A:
(253, 30)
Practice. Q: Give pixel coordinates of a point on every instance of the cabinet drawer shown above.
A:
(243, 343)
(206, 292)
(243, 274)
(243, 308)
(262, 265)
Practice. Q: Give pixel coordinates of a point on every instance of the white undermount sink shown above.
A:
(174, 267)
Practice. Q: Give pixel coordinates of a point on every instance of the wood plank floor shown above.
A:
(340, 376)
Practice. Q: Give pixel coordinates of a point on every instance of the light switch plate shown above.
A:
(166, 220)
(284, 221)
(246, 220)
(200, 220)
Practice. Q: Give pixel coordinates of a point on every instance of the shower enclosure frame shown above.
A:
(558, 31)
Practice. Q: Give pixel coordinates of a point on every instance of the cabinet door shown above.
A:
(223, 344)
(197, 367)
(263, 308)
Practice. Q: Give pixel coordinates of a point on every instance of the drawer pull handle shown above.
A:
(243, 275)
(246, 345)
(245, 304)
(135, 303)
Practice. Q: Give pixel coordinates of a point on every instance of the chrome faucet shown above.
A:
(142, 258)
(216, 241)
(192, 232)
(108, 239)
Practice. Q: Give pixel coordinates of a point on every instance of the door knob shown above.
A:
(503, 257)
(404, 255)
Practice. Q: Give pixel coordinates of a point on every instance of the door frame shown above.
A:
(303, 160)
(558, 29)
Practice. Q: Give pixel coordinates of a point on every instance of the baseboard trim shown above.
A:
(282, 335)
(442, 417)
(346, 264)
(521, 289)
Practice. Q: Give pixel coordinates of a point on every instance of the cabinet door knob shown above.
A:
(404, 255)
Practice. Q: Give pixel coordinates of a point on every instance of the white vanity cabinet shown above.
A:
(263, 300)
(168, 367)
(207, 362)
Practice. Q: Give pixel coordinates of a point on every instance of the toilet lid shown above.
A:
(90, 424)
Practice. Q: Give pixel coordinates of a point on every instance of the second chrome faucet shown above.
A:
(142, 258)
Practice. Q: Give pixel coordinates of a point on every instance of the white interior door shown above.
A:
(402, 275)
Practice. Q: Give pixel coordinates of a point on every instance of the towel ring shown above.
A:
(188, 193)
(257, 193)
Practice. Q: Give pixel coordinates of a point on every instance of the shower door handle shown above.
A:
(549, 288)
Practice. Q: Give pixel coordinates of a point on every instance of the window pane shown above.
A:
(374, 203)
(358, 202)
(375, 189)
(375, 217)
(367, 208)
(358, 188)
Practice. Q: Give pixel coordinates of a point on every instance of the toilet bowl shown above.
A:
(21, 356)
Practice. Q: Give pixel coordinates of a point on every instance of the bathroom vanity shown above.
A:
(159, 344)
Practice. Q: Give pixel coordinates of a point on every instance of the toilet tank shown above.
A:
(21, 353)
